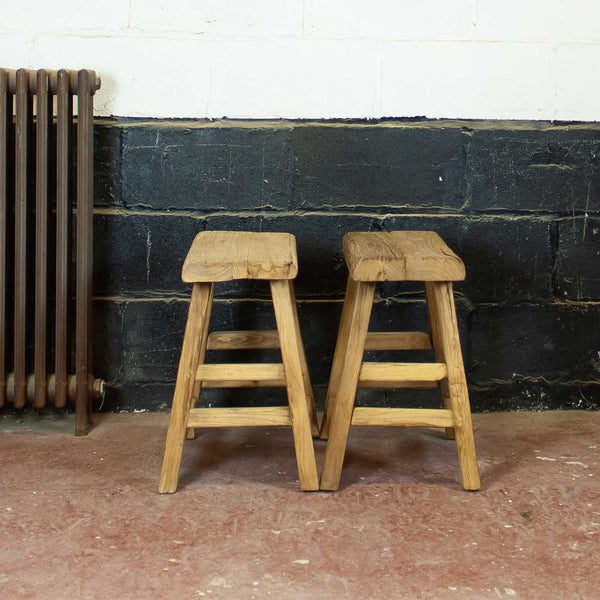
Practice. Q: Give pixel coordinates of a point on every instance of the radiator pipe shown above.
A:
(95, 388)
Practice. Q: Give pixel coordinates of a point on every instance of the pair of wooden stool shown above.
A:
(371, 257)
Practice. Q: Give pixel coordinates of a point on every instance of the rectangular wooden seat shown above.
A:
(401, 256)
(226, 255)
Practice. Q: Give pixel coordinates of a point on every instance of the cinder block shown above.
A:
(468, 80)
(578, 259)
(214, 18)
(141, 255)
(557, 342)
(107, 165)
(207, 168)
(507, 259)
(161, 321)
(550, 169)
(381, 19)
(107, 353)
(382, 168)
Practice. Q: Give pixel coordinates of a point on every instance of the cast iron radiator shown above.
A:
(46, 198)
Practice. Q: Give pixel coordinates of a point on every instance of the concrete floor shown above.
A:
(80, 517)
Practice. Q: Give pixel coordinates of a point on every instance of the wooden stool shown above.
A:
(398, 256)
(223, 256)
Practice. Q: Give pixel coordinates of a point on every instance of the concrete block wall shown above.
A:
(518, 201)
(511, 182)
(474, 59)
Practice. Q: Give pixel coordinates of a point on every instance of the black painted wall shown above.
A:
(519, 202)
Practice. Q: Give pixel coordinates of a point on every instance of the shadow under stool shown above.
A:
(223, 256)
(398, 256)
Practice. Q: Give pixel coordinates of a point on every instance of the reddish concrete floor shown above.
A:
(80, 517)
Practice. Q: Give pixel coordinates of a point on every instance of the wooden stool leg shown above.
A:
(351, 339)
(445, 317)
(439, 353)
(195, 397)
(336, 367)
(194, 346)
(310, 399)
(292, 364)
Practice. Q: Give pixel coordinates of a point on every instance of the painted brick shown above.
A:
(207, 168)
(214, 18)
(141, 77)
(578, 256)
(141, 255)
(554, 170)
(538, 20)
(15, 49)
(382, 19)
(293, 79)
(558, 342)
(576, 91)
(468, 80)
(65, 16)
(380, 167)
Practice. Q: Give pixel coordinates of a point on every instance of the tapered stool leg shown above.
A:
(310, 399)
(439, 352)
(445, 317)
(351, 339)
(292, 363)
(194, 346)
(338, 363)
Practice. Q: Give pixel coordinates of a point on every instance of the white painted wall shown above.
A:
(479, 59)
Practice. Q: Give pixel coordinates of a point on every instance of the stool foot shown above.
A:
(194, 346)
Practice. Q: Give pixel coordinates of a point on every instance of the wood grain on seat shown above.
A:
(227, 255)
(401, 256)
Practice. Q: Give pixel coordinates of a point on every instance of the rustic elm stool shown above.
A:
(398, 256)
(223, 256)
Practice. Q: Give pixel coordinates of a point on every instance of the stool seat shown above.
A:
(401, 256)
(226, 255)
